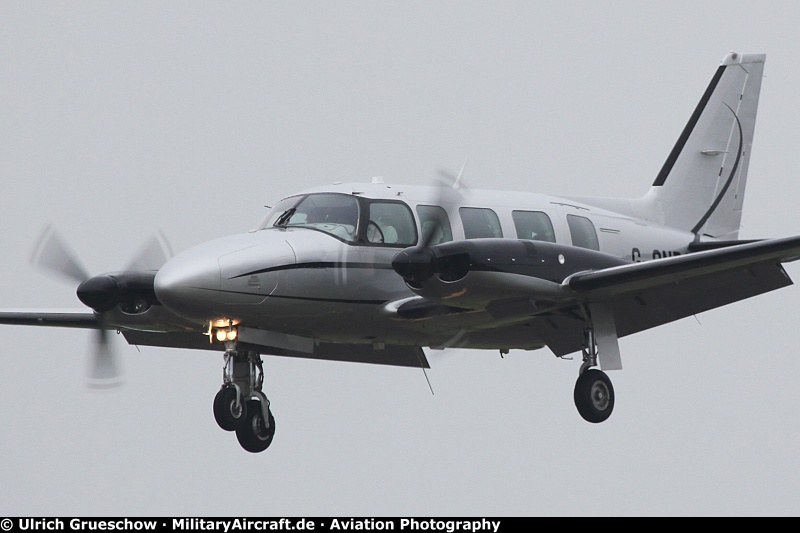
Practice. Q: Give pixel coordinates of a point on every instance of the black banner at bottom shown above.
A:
(229, 525)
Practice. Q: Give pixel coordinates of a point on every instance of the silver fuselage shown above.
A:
(304, 282)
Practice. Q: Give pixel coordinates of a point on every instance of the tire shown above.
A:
(225, 413)
(594, 396)
(253, 436)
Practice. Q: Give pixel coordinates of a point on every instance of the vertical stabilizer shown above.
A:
(701, 186)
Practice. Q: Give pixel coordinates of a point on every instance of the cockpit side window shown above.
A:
(435, 224)
(336, 214)
(390, 223)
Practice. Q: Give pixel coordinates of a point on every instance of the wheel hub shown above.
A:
(600, 395)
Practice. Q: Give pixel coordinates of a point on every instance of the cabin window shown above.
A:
(583, 232)
(435, 224)
(534, 225)
(335, 214)
(480, 223)
(390, 223)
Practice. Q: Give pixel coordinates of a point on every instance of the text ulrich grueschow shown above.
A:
(84, 524)
(228, 525)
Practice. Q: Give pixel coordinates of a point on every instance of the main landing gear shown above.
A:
(594, 394)
(240, 405)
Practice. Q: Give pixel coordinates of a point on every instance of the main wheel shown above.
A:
(226, 412)
(594, 396)
(254, 435)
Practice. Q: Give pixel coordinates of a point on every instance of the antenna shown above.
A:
(424, 372)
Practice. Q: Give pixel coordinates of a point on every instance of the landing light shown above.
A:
(227, 334)
(222, 330)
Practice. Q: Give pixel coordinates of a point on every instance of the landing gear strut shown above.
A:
(594, 394)
(240, 405)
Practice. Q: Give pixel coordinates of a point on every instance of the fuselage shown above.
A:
(320, 265)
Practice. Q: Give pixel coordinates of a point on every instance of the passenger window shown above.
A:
(583, 232)
(533, 225)
(480, 223)
(391, 223)
(435, 224)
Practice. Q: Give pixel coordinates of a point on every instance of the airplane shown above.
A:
(375, 272)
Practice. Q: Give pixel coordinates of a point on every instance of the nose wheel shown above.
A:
(230, 409)
(240, 405)
(255, 434)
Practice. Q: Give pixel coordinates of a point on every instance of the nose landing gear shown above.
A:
(240, 405)
(230, 410)
(255, 434)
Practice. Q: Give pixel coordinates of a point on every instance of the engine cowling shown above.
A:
(132, 291)
(473, 273)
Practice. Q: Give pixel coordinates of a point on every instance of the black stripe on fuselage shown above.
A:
(331, 300)
(317, 265)
(687, 131)
(306, 298)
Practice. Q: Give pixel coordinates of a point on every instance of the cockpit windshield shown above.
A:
(336, 214)
(361, 221)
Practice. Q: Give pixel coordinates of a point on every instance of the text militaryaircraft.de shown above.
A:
(373, 273)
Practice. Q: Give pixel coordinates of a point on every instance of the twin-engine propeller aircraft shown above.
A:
(374, 273)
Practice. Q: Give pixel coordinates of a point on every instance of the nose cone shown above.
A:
(188, 284)
(225, 277)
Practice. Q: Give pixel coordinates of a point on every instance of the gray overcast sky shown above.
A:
(118, 119)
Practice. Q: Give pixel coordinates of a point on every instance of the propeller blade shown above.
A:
(53, 254)
(450, 187)
(453, 180)
(102, 293)
(104, 366)
(153, 254)
(419, 263)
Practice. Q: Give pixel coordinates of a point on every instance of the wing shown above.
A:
(645, 295)
(59, 319)
(548, 288)
(407, 356)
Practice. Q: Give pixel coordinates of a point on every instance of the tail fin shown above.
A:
(701, 186)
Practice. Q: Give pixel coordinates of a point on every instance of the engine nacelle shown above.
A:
(474, 272)
(132, 291)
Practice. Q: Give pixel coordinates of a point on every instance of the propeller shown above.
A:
(419, 263)
(131, 290)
